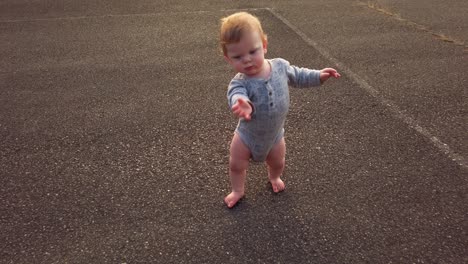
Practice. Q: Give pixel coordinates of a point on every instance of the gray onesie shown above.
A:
(270, 100)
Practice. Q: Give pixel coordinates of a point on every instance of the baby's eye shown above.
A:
(253, 51)
(236, 57)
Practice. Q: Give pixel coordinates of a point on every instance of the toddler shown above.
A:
(259, 96)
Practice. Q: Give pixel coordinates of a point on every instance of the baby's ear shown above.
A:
(265, 44)
(228, 60)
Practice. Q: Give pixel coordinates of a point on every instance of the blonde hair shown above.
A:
(234, 26)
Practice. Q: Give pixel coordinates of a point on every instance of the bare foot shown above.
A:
(277, 185)
(232, 199)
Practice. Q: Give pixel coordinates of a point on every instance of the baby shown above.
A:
(259, 96)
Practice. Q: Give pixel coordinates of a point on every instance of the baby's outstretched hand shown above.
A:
(327, 73)
(242, 109)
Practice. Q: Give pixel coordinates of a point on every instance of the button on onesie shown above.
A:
(270, 100)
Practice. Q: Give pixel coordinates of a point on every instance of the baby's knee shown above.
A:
(277, 164)
(238, 165)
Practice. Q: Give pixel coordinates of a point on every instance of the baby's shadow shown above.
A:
(266, 226)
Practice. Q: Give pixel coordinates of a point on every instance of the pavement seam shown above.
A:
(128, 15)
(101, 16)
(391, 106)
(439, 36)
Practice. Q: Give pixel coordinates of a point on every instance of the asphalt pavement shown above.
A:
(115, 132)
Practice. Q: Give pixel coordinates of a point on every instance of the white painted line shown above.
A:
(394, 109)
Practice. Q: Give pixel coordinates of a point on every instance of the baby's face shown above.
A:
(247, 55)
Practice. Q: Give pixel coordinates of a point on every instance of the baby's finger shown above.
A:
(241, 103)
(332, 72)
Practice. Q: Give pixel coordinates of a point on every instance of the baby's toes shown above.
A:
(277, 185)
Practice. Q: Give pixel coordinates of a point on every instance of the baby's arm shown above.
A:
(303, 77)
(239, 101)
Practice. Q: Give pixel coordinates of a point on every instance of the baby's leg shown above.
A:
(238, 163)
(276, 162)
